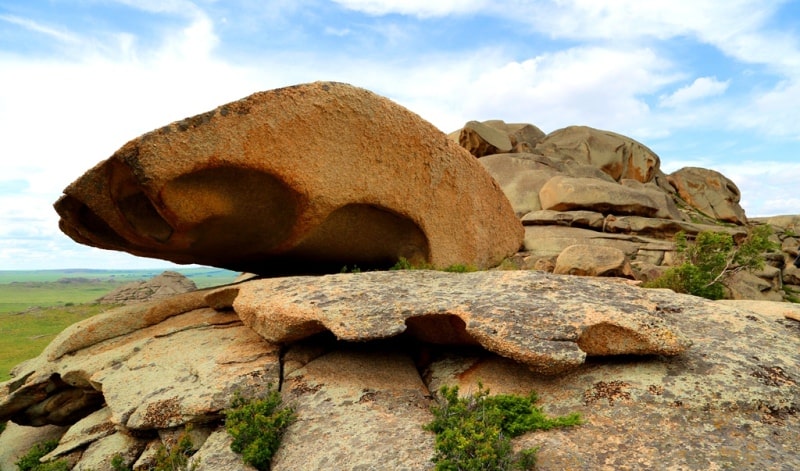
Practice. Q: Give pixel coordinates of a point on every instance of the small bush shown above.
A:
(30, 462)
(711, 259)
(460, 268)
(404, 264)
(175, 457)
(474, 432)
(257, 427)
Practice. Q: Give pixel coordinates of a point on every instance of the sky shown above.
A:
(704, 83)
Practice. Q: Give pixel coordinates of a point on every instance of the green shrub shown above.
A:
(474, 432)
(2, 426)
(713, 256)
(30, 462)
(404, 264)
(257, 427)
(460, 268)
(175, 457)
(118, 463)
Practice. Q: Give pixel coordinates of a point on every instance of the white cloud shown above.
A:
(55, 33)
(595, 86)
(702, 87)
(419, 8)
(768, 187)
(773, 112)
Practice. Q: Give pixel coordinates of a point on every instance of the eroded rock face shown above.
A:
(562, 193)
(533, 318)
(376, 403)
(619, 156)
(300, 179)
(709, 192)
(480, 139)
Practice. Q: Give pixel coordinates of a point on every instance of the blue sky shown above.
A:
(702, 82)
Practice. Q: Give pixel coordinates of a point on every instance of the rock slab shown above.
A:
(535, 318)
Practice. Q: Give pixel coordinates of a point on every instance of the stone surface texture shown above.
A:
(367, 407)
(528, 316)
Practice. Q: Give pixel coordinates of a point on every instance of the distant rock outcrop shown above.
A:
(303, 179)
(163, 286)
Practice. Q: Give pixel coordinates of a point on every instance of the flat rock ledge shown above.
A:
(531, 317)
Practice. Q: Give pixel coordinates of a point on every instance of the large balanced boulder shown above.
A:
(306, 178)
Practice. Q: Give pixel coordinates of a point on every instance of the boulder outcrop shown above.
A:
(709, 192)
(603, 182)
(308, 178)
(618, 156)
(163, 286)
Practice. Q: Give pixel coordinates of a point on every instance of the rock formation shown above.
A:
(163, 286)
(312, 178)
(300, 179)
(364, 352)
(584, 186)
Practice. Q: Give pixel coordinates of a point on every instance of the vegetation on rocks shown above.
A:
(405, 264)
(257, 427)
(706, 263)
(30, 461)
(474, 432)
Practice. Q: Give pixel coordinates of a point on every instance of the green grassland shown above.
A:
(36, 305)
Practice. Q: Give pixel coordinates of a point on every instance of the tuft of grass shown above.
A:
(404, 264)
(460, 268)
(173, 458)
(257, 427)
(176, 457)
(473, 433)
(30, 461)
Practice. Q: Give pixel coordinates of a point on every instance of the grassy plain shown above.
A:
(36, 305)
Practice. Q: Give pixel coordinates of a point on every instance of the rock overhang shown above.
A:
(525, 316)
